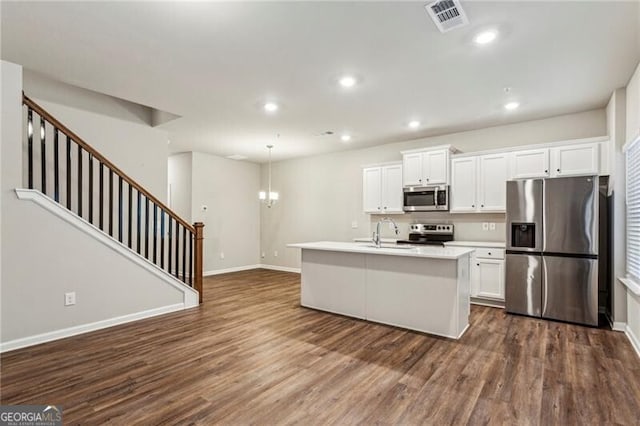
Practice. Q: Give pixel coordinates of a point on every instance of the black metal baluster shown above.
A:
(169, 245)
(79, 180)
(110, 202)
(155, 232)
(191, 236)
(30, 147)
(129, 230)
(101, 196)
(184, 254)
(177, 249)
(56, 166)
(68, 172)
(146, 228)
(43, 156)
(139, 223)
(162, 239)
(120, 207)
(90, 200)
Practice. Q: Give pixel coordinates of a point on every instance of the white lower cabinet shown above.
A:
(487, 274)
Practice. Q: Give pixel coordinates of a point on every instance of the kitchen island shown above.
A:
(422, 288)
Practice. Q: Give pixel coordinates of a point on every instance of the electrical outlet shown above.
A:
(70, 298)
(204, 208)
(354, 224)
(485, 226)
(262, 255)
(492, 226)
(275, 253)
(221, 255)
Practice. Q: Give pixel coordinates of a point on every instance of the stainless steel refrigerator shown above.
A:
(557, 247)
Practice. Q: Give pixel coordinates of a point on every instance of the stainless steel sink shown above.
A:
(390, 246)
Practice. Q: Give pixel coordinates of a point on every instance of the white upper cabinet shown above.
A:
(435, 167)
(479, 183)
(412, 169)
(426, 167)
(575, 160)
(531, 163)
(463, 185)
(493, 172)
(391, 197)
(382, 189)
(372, 189)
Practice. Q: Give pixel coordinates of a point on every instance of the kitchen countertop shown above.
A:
(432, 252)
(488, 244)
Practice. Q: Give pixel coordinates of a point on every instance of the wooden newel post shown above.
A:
(197, 262)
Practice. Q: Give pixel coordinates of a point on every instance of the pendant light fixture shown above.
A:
(269, 197)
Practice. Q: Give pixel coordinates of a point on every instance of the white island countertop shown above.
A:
(431, 252)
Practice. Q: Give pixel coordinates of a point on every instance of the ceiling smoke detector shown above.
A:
(447, 14)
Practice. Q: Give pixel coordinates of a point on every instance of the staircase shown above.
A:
(62, 166)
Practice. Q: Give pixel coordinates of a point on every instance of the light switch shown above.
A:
(492, 226)
(354, 224)
(485, 226)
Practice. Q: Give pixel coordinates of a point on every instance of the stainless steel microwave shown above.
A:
(426, 198)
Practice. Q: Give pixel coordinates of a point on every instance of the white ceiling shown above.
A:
(215, 64)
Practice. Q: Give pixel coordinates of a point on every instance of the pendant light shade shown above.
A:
(269, 197)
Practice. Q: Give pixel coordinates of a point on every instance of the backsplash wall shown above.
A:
(467, 227)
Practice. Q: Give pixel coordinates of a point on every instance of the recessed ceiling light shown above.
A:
(271, 107)
(510, 106)
(414, 124)
(485, 37)
(347, 81)
(345, 138)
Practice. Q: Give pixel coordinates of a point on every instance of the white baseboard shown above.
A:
(280, 268)
(85, 328)
(619, 326)
(234, 269)
(249, 267)
(635, 341)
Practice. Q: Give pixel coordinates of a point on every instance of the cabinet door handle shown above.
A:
(489, 253)
(558, 170)
(385, 207)
(427, 179)
(473, 205)
(546, 171)
(477, 264)
(481, 205)
(378, 208)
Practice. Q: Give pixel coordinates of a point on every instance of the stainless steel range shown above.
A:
(429, 233)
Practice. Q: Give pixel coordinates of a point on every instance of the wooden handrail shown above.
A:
(78, 140)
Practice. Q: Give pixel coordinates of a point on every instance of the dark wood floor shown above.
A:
(251, 354)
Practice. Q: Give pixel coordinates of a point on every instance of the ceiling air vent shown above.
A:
(447, 14)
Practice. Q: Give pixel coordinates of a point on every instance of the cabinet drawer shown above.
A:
(490, 253)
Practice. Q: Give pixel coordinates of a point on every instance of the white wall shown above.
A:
(43, 257)
(229, 189)
(115, 130)
(616, 119)
(180, 187)
(633, 126)
(322, 195)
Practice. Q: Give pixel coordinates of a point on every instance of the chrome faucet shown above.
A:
(376, 234)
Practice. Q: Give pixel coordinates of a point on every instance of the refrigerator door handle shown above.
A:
(544, 284)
